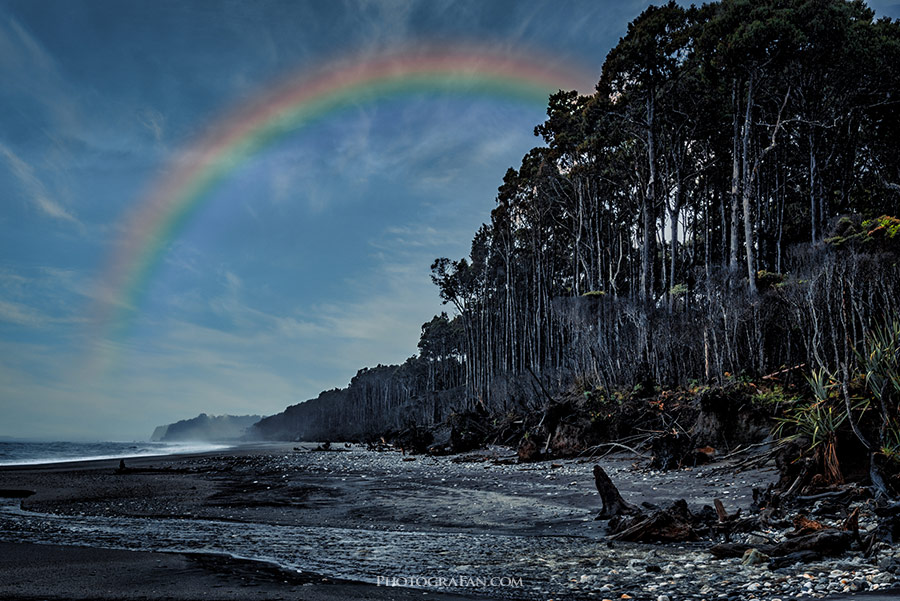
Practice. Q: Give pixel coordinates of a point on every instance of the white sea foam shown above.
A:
(36, 453)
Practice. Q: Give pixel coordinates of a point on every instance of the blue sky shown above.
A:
(309, 262)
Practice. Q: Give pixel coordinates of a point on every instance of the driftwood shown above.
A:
(673, 524)
(723, 515)
(613, 503)
(826, 542)
(823, 542)
(792, 558)
(727, 524)
(803, 526)
(852, 521)
(841, 495)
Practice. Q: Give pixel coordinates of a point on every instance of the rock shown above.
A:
(753, 557)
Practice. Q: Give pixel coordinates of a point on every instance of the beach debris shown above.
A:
(825, 542)
(675, 523)
(804, 525)
(672, 524)
(327, 446)
(613, 503)
(414, 439)
(528, 450)
(669, 449)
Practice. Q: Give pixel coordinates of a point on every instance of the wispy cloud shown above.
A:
(35, 191)
(20, 314)
(153, 121)
(30, 70)
(45, 298)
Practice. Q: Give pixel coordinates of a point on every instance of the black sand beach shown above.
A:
(29, 571)
(345, 518)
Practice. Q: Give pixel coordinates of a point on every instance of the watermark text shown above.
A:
(457, 581)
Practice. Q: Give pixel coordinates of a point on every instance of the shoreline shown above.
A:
(353, 514)
(33, 572)
(113, 460)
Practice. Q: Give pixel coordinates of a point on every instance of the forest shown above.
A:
(720, 212)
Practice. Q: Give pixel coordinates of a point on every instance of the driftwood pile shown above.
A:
(809, 540)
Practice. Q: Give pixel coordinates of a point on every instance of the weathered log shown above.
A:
(851, 524)
(792, 558)
(889, 525)
(824, 542)
(720, 511)
(803, 525)
(774, 375)
(723, 515)
(842, 495)
(673, 524)
(613, 503)
(728, 550)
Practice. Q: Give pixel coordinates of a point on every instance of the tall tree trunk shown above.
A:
(747, 190)
(648, 206)
(735, 177)
(674, 212)
(813, 204)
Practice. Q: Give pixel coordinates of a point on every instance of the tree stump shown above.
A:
(613, 503)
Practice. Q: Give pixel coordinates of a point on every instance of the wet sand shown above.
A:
(169, 486)
(29, 571)
(348, 515)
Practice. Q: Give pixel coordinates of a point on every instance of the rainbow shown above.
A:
(291, 104)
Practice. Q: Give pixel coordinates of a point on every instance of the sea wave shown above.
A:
(35, 453)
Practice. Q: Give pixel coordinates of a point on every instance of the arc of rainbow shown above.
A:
(291, 104)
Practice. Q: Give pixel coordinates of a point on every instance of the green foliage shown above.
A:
(814, 420)
(741, 379)
(820, 419)
(884, 226)
(594, 293)
(678, 290)
(766, 280)
(890, 445)
(881, 232)
(882, 363)
(821, 383)
(817, 421)
(774, 397)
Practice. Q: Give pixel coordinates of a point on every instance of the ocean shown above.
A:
(24, 453)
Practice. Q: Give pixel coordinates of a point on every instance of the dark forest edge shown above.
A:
(703, 253)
